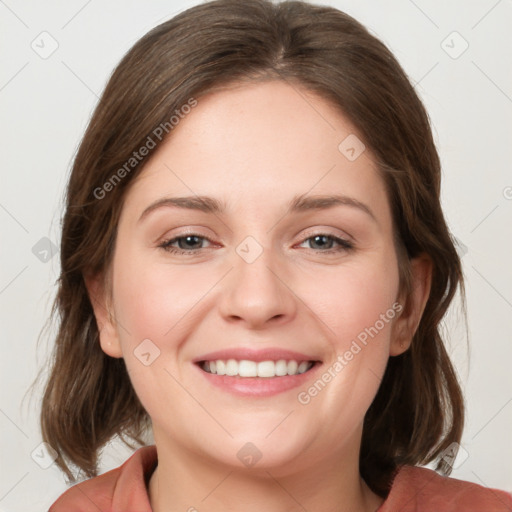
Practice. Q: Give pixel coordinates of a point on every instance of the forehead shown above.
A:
(257, 145)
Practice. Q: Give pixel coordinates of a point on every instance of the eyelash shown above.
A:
(343, 245)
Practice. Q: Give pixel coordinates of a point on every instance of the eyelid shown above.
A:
(179, 232)
(344, 244)
(166, 241)
(327, 231)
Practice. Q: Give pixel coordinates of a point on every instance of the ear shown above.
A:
(101, 304)
(407, 323)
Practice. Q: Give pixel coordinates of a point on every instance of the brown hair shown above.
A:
(418, 410)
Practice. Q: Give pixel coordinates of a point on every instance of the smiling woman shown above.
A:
(263, 290)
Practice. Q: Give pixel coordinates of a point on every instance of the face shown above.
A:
(286, 264)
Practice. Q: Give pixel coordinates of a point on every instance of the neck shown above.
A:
(185, 482)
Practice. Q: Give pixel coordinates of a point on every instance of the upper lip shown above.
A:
(267, 354)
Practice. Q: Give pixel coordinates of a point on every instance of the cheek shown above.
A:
(153, 301)
(357, 304)
(156, 303)
(355, 300)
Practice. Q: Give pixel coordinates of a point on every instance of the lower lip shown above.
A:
(258, 386)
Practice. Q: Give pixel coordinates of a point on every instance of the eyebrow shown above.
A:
(300, 203)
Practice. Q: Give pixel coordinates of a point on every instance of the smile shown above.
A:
(247, 372)
(246, 368)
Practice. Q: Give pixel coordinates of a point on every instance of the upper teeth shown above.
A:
(246, 368)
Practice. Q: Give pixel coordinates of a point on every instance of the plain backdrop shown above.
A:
(55, 60)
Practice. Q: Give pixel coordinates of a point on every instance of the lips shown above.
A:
(268, 354)
(257, 372)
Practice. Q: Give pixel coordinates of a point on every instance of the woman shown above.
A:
(255, 264)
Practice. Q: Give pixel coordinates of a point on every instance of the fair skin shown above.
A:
(256, 147)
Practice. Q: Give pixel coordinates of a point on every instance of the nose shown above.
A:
(256, 294)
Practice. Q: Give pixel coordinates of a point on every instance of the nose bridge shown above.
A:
(255, 292)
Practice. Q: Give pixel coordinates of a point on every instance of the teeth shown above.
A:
(292, 367)
(302, 367)
(266, 369)
(231, 367)
(221, 367)
(281, 368)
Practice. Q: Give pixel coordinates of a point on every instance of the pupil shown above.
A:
(320, 238)
(191, 240)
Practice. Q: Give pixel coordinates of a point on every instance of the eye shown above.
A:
(192, 244)
(328, 243)
(186, 244)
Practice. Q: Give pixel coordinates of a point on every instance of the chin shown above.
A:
(280, 450)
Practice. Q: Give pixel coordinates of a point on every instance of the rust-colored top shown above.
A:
(125, 489)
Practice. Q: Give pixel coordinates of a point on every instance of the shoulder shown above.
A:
(115, 489)
(417, 489)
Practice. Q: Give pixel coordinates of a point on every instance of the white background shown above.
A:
(46, 103)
